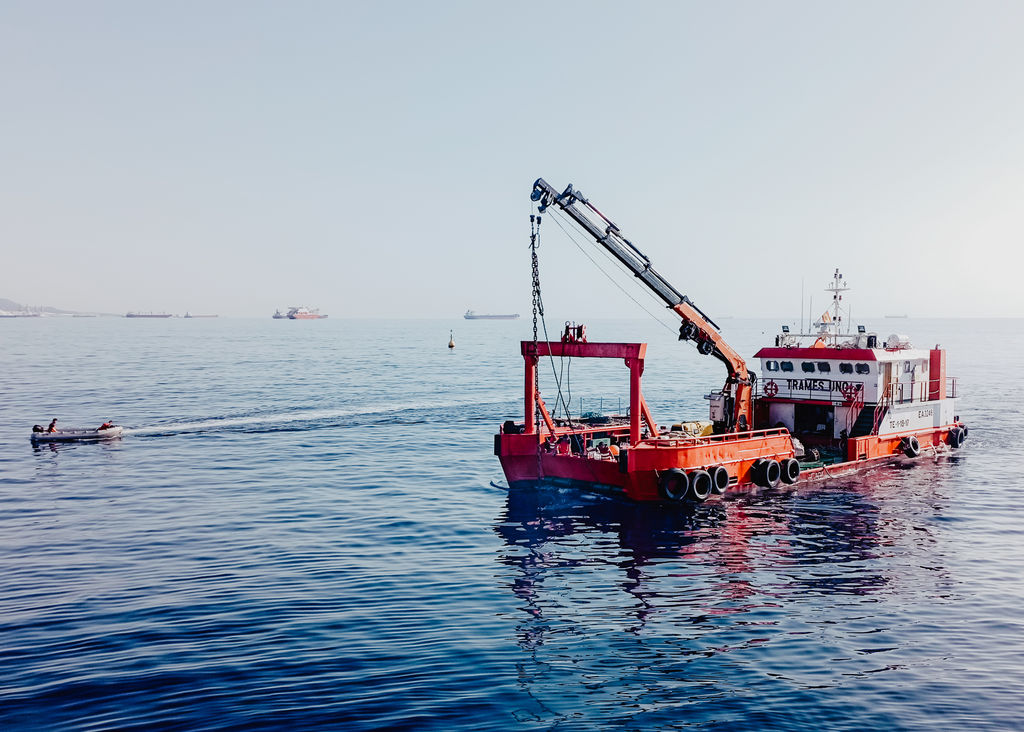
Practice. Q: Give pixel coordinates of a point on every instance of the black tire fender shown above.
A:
(910, 446)
(673, 485)
(719, 479)
(956, 437)
(790, 470)
(772, 473)
(757, 472)
(700, 485)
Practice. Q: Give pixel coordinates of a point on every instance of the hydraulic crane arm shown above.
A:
(696, 325)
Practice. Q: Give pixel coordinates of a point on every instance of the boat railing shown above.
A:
(852, 392)
(915, 391)
(617, 425)
(834, 391)
(855, 408)
(919, 391)
(715, 439)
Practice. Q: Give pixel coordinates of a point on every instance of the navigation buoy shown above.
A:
(451, 339)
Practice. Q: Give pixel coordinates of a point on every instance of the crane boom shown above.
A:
(696, 325)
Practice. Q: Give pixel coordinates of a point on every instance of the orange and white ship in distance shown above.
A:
(304, 313)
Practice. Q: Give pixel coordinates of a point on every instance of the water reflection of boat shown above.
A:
(736, 555)
(639, 605)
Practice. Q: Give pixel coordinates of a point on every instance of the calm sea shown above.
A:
(304, 527)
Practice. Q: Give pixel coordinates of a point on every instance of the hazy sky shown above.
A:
(376, 159)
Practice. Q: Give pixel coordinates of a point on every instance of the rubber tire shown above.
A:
(772, 474)
(790, 471)
(673, 485)
(700, 486)
(910, 446)
(757, 472)
(964, 428)
(955, 438)
(719, 479)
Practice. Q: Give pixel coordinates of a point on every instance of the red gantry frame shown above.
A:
(632, 353)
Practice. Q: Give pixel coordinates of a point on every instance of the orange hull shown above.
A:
(636, 473)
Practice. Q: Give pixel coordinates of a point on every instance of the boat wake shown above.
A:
(318, 419)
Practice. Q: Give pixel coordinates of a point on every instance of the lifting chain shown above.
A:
(538, 309)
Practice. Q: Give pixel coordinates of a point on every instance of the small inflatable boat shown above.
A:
(78, 435)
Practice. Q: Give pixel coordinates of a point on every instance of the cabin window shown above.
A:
(907, 367)
(846, 368)
(824, 367)
(863, 368)
(786, 365)
(807, 367)
(771, 365)
(924, 367)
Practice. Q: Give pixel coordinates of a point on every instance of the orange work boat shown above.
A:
(825, 403)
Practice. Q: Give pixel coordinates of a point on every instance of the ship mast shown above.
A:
(831, 322)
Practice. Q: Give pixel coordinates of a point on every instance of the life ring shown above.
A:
(790, 470)
(673, 484)
(700, 485)
(719, 479)
(910, 446)
(956, 437)
(770, 388)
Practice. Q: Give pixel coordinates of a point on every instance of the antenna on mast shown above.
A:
(801, 303)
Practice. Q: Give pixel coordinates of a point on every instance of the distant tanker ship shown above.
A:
(470, 315)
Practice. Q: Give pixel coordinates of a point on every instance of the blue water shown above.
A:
(304, 527)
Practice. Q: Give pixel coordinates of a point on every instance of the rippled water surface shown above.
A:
(305, 527)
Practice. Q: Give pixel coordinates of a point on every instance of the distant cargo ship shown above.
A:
(301, 313)
(147, 315)
(470, 315)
